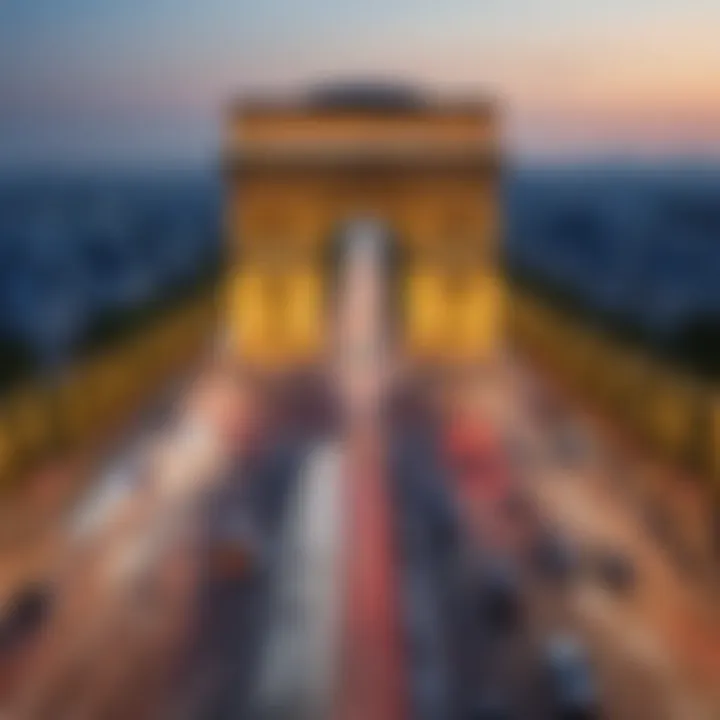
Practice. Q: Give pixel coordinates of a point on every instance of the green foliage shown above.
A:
(118, 325)
(694, 347)
(16, 363)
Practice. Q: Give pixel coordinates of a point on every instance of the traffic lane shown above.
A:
(241, 529)
(121, 593)
(502, 627)
(658, 629)
(91, 588)
(664, 634)
(631, 685)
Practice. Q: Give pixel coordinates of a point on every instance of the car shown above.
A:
(236, 550)
(500, 594)
(490, 705)
(572, 689)
(25, 614)
(615, 570)
(555, 556)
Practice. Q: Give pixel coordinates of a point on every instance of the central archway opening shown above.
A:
(366, 239)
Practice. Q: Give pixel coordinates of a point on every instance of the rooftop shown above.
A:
(369, 96)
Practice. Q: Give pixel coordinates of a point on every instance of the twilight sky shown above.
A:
(143, 82)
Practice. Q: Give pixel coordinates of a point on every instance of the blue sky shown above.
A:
(145, 81)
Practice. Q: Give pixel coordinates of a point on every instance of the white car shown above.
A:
(573, 693)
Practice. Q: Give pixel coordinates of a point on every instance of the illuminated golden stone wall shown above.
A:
(669, 411)
(296, 172)
(46, 417)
